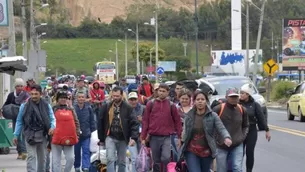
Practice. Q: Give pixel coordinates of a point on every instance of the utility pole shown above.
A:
(138, 58)
(272, 45)
(184, 46)
(117, 60)
(24, 34)
(126, 56)
(157, 43)
(196, 37)
(258, 41)
(32, 27)
(247, 41)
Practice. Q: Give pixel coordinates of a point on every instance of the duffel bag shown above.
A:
(10, 111)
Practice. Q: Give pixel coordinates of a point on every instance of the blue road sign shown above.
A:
(160, 70)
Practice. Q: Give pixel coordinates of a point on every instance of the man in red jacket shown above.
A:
(160, 121)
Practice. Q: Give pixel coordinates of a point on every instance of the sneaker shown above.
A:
(19, 156)
(85, 170)
(24, 156)
(77, 170)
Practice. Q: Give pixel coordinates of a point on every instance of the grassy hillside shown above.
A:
(82, 54)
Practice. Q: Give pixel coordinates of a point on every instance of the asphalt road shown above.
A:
(285, 152)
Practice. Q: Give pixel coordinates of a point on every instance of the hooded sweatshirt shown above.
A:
(97, 94)
(161, 119)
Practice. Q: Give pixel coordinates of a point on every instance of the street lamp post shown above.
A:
(126, 55)
(157, 44)
(137, 42)
(247, 41)
(258, 41)
(116, 60)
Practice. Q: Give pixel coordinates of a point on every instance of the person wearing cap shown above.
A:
(153, 96)
(235, 119)
(17, 97)
(81, 87)
(146, 88)
(29, 84)
(124, 85)
(138, 110)
(256, 117)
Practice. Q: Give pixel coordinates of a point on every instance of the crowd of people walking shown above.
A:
(181, 127)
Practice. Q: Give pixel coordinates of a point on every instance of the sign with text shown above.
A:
(3, 12)
(293, 44)
(168, 66)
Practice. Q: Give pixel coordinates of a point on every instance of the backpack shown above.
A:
(65, 131)
(143, 89)
(152, 104)
(222, 106)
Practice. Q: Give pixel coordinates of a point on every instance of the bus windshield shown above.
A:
(106, 66)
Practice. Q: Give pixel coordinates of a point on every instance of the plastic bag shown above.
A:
(93, 142)
(102, 155)
(171, 167)
(143, 160)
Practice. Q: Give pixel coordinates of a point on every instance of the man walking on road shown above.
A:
(36, 120)
(235, 119)
(160, 121)
(117, 127)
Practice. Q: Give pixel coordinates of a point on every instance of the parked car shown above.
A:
(295, 104)
(222, 83)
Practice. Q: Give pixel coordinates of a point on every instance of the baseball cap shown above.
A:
(232, 92)
(132, 95)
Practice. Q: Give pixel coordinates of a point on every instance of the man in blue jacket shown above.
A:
(87, 122)
(36, 120)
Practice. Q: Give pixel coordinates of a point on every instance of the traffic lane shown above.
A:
(285, 152)
(279, 118)
(9, 163)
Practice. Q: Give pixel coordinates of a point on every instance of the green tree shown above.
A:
(145, 48)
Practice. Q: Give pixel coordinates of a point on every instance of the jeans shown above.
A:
(197, 164)
(115, 148)
(235, 155)
(21, 145)
(249, 146)
(161, 152)
(82, 154)
(133, 153)
(175, 150)
(48, 168)
(56, 157)
(36, 160)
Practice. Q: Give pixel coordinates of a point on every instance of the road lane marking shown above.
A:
(288, 130)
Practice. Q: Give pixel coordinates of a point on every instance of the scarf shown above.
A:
(36, 116)
(111, 114)
(21, 98)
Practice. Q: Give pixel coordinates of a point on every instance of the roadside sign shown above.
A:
(160, 70)
(43, 83)
(270, 67)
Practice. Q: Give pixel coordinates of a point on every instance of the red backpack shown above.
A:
(65, 131)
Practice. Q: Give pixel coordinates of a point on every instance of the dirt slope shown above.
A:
(106, 10)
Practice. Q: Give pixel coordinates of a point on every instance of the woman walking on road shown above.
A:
(199, 146)
(256, 117)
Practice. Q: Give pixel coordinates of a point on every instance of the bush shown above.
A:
(280, 88)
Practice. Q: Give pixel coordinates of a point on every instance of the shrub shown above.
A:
(280, 88)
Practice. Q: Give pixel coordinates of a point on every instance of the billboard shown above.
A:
(232, 61)
(293, 44)
(168, 66)
(3, 12)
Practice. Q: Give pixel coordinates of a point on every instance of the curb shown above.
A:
(276, 107)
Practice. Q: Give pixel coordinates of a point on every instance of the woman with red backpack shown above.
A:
(65, 134)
